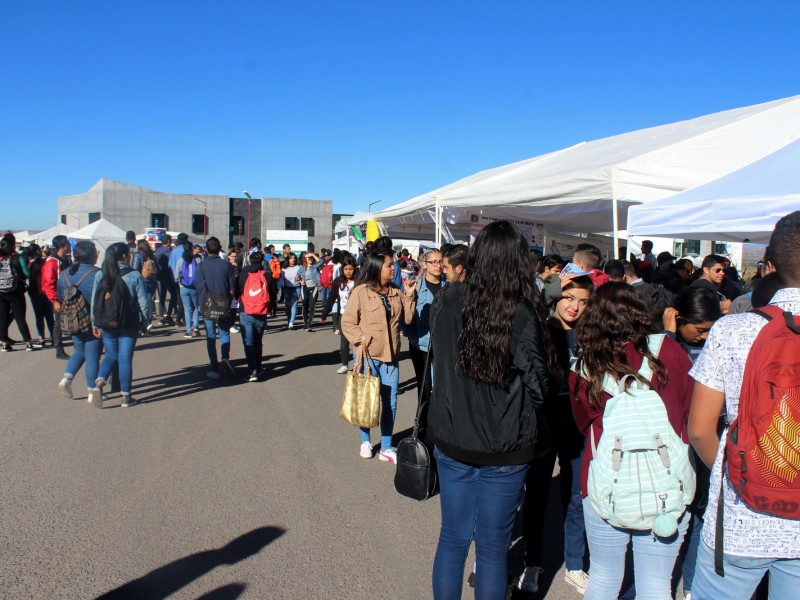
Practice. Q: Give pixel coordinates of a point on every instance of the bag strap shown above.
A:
(421, 404)
(654, 343)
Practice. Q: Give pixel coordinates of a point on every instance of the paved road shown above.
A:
(213, 490)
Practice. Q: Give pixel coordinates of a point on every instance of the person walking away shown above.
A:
(42, 308)
(290, 283)
(272, 263)
(484, 415)
(419, 331)
(254, 285)
(74, 289)
(143, 260)
(13, 273)
(371, 322)
(310, 280)
(743, 371)
(187, 267)
(165, 283)
(613, 343)
(174, 256)
(327, 274)
(216, 276)
(233, 258)
(336, 304)
(55, 263)
(568, 445)
(119, 303)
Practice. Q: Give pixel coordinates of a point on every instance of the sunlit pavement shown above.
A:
(208, 489)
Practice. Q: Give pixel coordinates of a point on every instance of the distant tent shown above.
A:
(45, 238)
(103, 233)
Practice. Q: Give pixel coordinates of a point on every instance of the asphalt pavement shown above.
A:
(211, 489)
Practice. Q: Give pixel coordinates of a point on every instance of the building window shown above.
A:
(307, 224)
(94, 217)
(237, 224)
(721, 248)
(63, 219)
(199, 224)
(292, 224)
(158, 220)
(687, 248)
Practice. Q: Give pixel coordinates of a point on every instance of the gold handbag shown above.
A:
(361, 403)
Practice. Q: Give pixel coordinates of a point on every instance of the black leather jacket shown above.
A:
(478, 423)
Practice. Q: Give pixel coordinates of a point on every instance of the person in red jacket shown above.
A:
(55, 263)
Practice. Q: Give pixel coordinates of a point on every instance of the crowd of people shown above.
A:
(535, 360)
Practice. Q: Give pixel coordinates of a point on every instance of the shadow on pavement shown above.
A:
(165, 581)
(226, 592)
(292, 365)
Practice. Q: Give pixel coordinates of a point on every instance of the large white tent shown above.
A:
(103, 233)
(588, 187)
(740, 207)
(45, 238)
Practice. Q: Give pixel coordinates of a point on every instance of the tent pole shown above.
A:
(615, 224)
(438, 223)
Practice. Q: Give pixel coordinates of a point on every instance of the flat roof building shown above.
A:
(131, 207)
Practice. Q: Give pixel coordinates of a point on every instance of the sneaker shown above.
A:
(65, 385)
(228, 367)
(149, 326)
(213, 375)
(128, 401)
(39, 344)
(7, 348)
(291, 326)
(61, 355)
(188, 335)
(335, 332)
(577, 579)
(195, 332)
(253, 377)
(529, 580)
(260, 371)
(342, 370)
(366, 450)
(389, 456)
(234, 329)
(29, 347)
(687, 596)
(96, 397)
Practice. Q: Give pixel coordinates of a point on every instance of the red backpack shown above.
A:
(326, 276)
(255, 296)
(763, 445)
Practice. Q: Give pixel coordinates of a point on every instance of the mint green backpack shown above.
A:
(641, 475)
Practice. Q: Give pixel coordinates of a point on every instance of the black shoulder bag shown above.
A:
(215, 308)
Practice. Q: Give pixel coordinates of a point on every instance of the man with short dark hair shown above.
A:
(57, 261)
(647, 253)
(175, 254)
(754, 541)
(711, 278)
(217, 277)
(588, 257)
(165, 280)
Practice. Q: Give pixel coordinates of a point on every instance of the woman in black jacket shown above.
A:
(492, 359)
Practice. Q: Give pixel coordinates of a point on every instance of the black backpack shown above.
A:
(112, 309)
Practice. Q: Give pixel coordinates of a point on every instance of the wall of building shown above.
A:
(239, 208)
(274, 212)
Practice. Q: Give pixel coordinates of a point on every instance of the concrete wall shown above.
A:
(239, 208)
(275, 210)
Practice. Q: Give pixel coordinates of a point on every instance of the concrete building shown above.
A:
(130, 207)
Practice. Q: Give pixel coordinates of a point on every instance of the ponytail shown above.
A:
(114, 253)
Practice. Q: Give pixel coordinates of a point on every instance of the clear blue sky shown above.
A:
(354, 101)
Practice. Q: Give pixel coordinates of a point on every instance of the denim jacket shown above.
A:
(419, 331)
(314, 275)
(136, 287)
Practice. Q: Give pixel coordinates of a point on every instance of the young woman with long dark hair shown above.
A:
(42, 307)
(13, 273)
(372, 323)
(492, 359)
(337, 302)
(87, 347)
(309, 279)
(144, 253)
(290, 282)
(119, 342)
(185, 274)
(612, 338)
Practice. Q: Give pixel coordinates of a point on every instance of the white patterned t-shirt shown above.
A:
(721, 367)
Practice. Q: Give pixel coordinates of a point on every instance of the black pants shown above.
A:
(13, 303)
(166, 286)
(58, 337)
(344, 344)
(418, 360)
(309, 305)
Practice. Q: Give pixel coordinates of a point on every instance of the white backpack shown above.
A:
(641, 475)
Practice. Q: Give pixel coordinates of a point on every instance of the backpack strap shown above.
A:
(654, 343)
(84, 276)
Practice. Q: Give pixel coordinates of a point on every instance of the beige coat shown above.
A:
(365, 317)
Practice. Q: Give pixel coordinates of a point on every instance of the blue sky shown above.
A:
(354, 101)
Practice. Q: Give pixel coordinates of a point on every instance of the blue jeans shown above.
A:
(119, 347)
(742, 576)
(86, 348)
(389, 374)
(191, 309)
(252, 332)
(211, 341)
(149, 291)
(324, 294)
(480, 502)
(290, 295)
(43, 313)
(653, 558)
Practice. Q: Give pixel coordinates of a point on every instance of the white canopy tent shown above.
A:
(740, 207)
(588, 187)
(45, 238)
(103, 233)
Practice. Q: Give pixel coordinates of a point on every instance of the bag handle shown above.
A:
(421, 404)
(362, 361)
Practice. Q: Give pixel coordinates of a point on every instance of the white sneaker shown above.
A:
(529, 580)
(96, 397)
(366, 450)
(213, 375)
(577, 579)
(342, 370)
(687, 596)
(389, 456)
(234, 329)
(65, 385)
